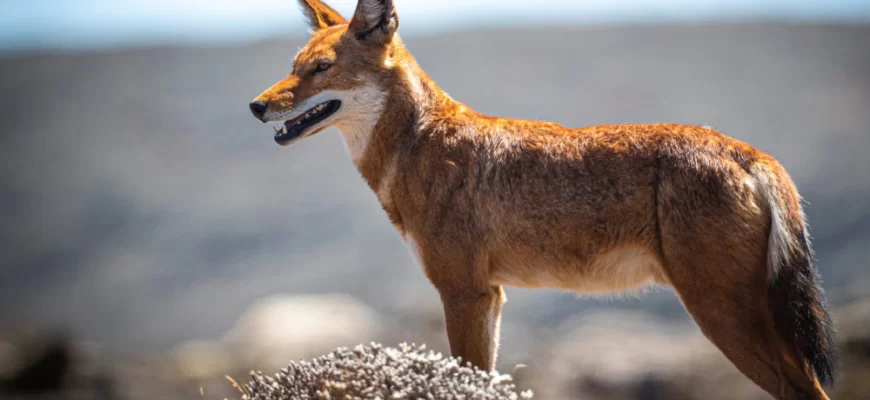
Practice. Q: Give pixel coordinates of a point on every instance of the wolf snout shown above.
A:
(258, 108)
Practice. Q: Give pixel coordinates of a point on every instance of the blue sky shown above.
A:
(108, 23)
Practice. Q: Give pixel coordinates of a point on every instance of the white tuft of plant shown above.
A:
(377, 372)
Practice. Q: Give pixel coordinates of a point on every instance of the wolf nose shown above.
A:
(259, 109)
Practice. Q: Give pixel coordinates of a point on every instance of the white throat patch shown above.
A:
(361, 110)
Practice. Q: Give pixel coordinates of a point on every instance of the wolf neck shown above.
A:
(401, 112)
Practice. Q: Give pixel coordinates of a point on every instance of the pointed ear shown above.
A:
(320, 15)
(375, 20)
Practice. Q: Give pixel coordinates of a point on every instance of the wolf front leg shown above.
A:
(473, 324)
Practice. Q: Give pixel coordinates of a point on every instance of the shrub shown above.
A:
(377, 372)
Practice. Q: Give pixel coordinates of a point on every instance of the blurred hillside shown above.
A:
(143, 206)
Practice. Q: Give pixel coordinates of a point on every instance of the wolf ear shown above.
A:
(375, 20)
(320, 15)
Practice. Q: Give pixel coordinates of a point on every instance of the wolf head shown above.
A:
(340, 78)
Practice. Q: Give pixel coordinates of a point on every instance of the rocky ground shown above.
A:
(604, 356)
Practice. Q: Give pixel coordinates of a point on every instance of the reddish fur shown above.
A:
(492, 201)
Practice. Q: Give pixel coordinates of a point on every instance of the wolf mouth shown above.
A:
(294, 128)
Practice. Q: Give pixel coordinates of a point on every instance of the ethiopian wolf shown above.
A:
(485, 201)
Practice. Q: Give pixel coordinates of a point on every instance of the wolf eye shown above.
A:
(322, 67)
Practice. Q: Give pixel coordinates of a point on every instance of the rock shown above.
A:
(46, 368)
(284, 327)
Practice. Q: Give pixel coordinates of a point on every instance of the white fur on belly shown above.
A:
(613, 271)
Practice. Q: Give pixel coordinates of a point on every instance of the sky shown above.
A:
(74, 24)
